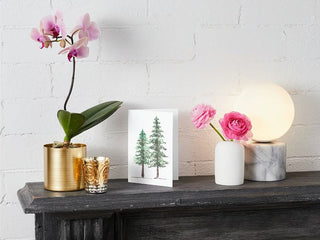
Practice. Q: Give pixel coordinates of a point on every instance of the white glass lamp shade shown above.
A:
(270, 109)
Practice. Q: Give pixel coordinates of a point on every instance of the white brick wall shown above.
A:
(151, 54)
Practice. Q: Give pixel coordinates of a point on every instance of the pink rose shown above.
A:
(236, 126)
(202, 115)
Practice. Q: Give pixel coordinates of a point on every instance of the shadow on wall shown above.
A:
(306, 121)
(123, 44)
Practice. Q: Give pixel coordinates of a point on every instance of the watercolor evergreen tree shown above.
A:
(142, 155)
(157, 147)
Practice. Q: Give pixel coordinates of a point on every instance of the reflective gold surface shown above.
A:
(96, 172)
(62, 167)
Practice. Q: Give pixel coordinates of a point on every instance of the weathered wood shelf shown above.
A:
(194, 208)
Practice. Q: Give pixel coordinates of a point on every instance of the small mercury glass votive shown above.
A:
(95, 173)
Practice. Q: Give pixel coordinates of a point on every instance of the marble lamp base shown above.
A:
(265, 161)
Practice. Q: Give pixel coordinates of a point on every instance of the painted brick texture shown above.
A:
(151, 54)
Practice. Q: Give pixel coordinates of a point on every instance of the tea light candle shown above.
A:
(95, 173)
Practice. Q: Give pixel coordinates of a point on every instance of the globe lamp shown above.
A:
(271, 111)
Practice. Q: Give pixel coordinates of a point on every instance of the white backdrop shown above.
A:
(151, 54)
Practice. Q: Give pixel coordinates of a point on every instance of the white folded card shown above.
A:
(153, 146)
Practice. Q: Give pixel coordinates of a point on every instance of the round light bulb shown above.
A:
(270, 109)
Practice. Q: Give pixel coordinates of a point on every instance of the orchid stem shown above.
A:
(217, 132)
(72, 79)
(72, 82)
(68, 41)
(75, 32)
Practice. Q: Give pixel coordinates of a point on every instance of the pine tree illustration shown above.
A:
(142, 152)
(157, 147)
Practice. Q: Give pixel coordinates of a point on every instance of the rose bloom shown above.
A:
(236, 126)
(202, 115)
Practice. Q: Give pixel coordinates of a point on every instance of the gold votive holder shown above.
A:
(95, 173)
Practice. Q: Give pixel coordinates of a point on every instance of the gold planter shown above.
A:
(63, 168)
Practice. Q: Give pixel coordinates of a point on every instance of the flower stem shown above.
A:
(68, 42)
(72, 82)
(75, 32)
(72, 79)
(217, 132)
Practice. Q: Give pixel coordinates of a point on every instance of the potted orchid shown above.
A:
(63, 159)
(229, 153)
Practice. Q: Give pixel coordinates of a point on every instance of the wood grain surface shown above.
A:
(194, 208)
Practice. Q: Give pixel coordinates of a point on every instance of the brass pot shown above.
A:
(63, 168)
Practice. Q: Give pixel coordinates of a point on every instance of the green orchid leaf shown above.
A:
(70, 122)
(92, 111)
(97, 114)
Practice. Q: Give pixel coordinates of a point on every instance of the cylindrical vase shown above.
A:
(62, 167)
(229, 163)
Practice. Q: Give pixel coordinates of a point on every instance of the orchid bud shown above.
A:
(46, 44)
(63, 43)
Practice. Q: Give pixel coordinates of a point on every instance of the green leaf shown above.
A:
(97, 114)
(92, 111)
(70, 122)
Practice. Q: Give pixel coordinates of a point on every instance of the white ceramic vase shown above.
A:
(229, 163)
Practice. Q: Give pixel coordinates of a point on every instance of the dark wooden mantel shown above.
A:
(195, 208)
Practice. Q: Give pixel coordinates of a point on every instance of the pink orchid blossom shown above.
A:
(78, 49)
(87, 29)
(54, 26)
(202, 115)
(40, 37)
(52, 30)
(236, 126)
